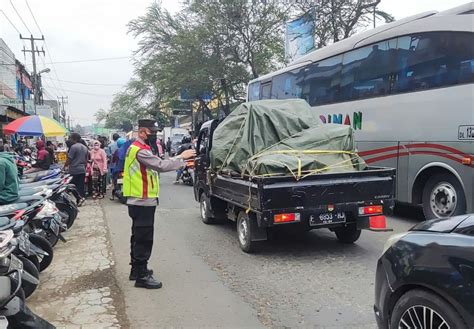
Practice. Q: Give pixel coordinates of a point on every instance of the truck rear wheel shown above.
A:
(205, 211)
(244, 232)
(348, 234)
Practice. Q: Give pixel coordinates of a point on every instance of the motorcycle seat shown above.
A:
(11, 208)
(29, 199)
(30, 191)
(6, 223)
(41, 183)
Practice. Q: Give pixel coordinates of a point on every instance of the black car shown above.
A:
(425, 277)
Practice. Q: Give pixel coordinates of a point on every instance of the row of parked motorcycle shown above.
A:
(29, 230)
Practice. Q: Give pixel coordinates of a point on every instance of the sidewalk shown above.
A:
(79, 289)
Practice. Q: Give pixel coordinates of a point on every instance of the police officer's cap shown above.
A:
(148, 123)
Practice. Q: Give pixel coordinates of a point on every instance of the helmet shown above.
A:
(120, 142)
(186, 140)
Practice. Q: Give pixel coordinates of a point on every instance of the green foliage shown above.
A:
(217, 47)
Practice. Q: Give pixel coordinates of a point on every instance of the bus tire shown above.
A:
(443, 196)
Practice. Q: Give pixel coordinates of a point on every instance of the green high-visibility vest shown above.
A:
(139, 181)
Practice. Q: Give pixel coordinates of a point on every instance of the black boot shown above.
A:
(134, 274)
(148, 282)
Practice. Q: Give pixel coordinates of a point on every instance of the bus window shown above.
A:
(367, 71)
(266, 89)
(288, 85)
(434, 60)
(254, 91)
(322, 82)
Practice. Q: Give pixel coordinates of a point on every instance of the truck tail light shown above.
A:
(286, 218)
(371, 210)
(377, 223)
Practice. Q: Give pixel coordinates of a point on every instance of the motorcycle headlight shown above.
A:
(392, 240)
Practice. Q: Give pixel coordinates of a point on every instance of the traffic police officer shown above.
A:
(141, 187)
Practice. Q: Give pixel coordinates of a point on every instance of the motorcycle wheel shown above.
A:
(42, 243)
(29, 267)
(34, 260)
(70, 211)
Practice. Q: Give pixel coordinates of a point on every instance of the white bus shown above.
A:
(407, 90)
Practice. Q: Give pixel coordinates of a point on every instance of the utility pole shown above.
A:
(62, 100)
(34, 50)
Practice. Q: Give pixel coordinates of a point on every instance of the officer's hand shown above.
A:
(188, 154)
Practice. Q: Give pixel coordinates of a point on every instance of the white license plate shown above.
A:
(24, 243)
(327, 218)
(54, 225)
(120, 181)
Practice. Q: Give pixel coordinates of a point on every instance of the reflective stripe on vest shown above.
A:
(138, 181)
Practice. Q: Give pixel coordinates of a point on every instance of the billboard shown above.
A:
(45, 110)
(18, 104)
(299, 36)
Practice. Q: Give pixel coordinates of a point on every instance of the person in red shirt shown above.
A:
(43, 158)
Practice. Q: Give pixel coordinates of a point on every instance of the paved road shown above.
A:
(307, 280)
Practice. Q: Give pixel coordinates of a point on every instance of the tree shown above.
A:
(336, 20)
(216, 47)
(100, 115)
(209, 47)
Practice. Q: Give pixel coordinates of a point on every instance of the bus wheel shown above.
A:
(443, 196)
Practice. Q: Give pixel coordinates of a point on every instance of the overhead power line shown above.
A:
(92, 60)
(19, 16)
(34, 18)
(47, 48)
(11, 23)
(89, 83)
(88, 94)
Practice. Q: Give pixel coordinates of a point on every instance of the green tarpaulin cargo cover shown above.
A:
(281, 137)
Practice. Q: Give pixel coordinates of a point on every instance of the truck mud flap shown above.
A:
(257, 233)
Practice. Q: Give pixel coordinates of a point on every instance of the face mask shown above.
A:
(151, 141)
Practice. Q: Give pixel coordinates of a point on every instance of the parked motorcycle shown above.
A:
(187, 173)
(14, 312)
(118, 189)
(32, 247)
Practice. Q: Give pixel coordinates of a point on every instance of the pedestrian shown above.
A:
(115, 162)
(98, 160)
(9, 184)
(110, 150)
(76, 163)
(168, 146)
(51, 148)
(43, 158)
(141, 186)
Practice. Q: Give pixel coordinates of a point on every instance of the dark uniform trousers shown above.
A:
(141, 241)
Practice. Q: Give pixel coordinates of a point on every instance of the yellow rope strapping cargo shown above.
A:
(299, 176)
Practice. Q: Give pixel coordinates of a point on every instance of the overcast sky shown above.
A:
(96, 29)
